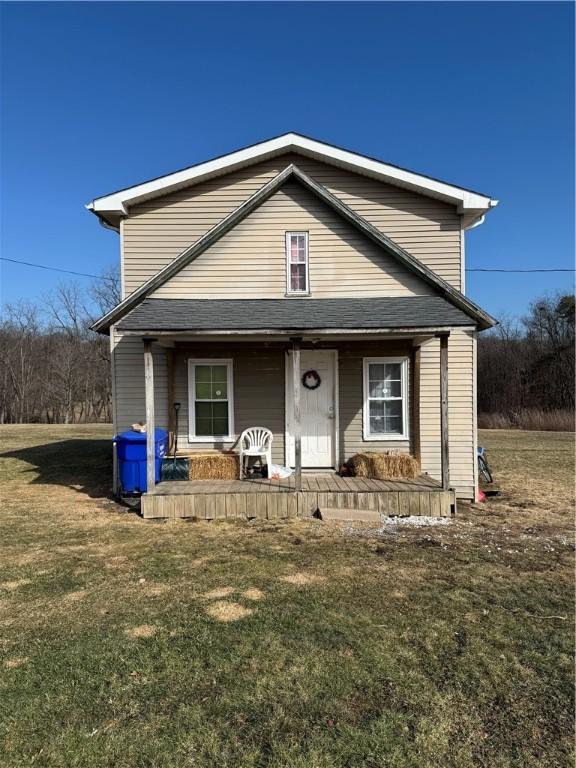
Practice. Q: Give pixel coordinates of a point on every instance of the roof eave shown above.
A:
(466, 201)
(299, 331)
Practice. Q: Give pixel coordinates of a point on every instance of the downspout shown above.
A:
(476, 223)
(106, 225)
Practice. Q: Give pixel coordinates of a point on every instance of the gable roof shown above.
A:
(225, 225)
(472, 205)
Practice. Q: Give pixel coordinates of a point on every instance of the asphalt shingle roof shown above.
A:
(293, 314)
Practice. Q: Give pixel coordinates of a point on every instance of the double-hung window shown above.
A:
(385, 398)
(211, 405)
(297, 262)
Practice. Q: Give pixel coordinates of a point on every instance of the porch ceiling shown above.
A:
(294, 315)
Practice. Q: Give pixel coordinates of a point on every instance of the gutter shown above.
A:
(106, 224)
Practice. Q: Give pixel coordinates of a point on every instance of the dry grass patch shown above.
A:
(155, 589)
(219, 592)
(302, 579)
(143, 631)
(16, 661)
(10, 586)
(18, 560)
(199, 561)
(253, 594)
(222, 610)
(75, 596)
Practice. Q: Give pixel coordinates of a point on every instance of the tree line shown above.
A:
(526, 368)
(53, 368)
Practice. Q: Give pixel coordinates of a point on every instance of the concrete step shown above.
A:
(349, 515)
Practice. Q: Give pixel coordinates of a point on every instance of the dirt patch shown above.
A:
(253, 594)
(215, 594)
(12, 585)
(143, 631)
(120, 561)
(227, 611)
(16, 661)
(302, 579)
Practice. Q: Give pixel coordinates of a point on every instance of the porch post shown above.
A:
(444, 411)
(171, 398)
(150, 431)
(296, 425)
(415, 379)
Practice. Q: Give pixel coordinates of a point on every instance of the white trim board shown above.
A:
(116, 204)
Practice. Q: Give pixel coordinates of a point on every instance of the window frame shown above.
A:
(192, 436)
(387, 436)
(287, 236)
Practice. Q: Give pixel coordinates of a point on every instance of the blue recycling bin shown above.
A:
(131, 453)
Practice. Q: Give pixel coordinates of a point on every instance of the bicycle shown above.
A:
(483, 466)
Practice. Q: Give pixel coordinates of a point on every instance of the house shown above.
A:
(296, 255)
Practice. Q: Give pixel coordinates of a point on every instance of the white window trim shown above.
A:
(289, 291)
(366, 415)
(192, 437)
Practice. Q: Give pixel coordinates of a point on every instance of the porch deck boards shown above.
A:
(273, 499)
(317, 483)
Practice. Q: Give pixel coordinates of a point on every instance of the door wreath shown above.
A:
(311, 379)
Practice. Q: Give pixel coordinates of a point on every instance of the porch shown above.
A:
(233, 364)
(274, 499)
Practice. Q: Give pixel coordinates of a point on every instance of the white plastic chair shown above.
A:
(256, 441)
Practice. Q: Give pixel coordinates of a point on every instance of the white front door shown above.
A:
(317, 408)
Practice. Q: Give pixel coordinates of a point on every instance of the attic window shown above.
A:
(297, 262)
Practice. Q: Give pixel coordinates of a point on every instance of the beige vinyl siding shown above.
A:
(250, 260)
(259, 371)
(159, 230)
(258, 374)
(460, 410)
(351, 396)
(259, 389)
(128, 372)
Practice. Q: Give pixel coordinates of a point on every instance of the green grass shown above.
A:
(289, 644)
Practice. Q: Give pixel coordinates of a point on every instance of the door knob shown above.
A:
(331, 412)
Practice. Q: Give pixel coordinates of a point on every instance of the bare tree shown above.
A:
(106, 293)
(52, 367)
(529, 364)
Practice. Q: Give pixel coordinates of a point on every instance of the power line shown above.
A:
(55, 269)
(101, 277)
(481, 269)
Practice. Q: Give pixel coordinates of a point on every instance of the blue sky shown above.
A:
(98, 96)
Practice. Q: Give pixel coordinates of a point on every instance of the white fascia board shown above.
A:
(465, 200)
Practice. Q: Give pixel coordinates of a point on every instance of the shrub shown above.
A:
(529, 418)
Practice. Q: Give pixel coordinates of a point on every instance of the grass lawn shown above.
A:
(286, 644)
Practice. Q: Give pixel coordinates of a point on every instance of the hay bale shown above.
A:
(214, 466)
(385, 466)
